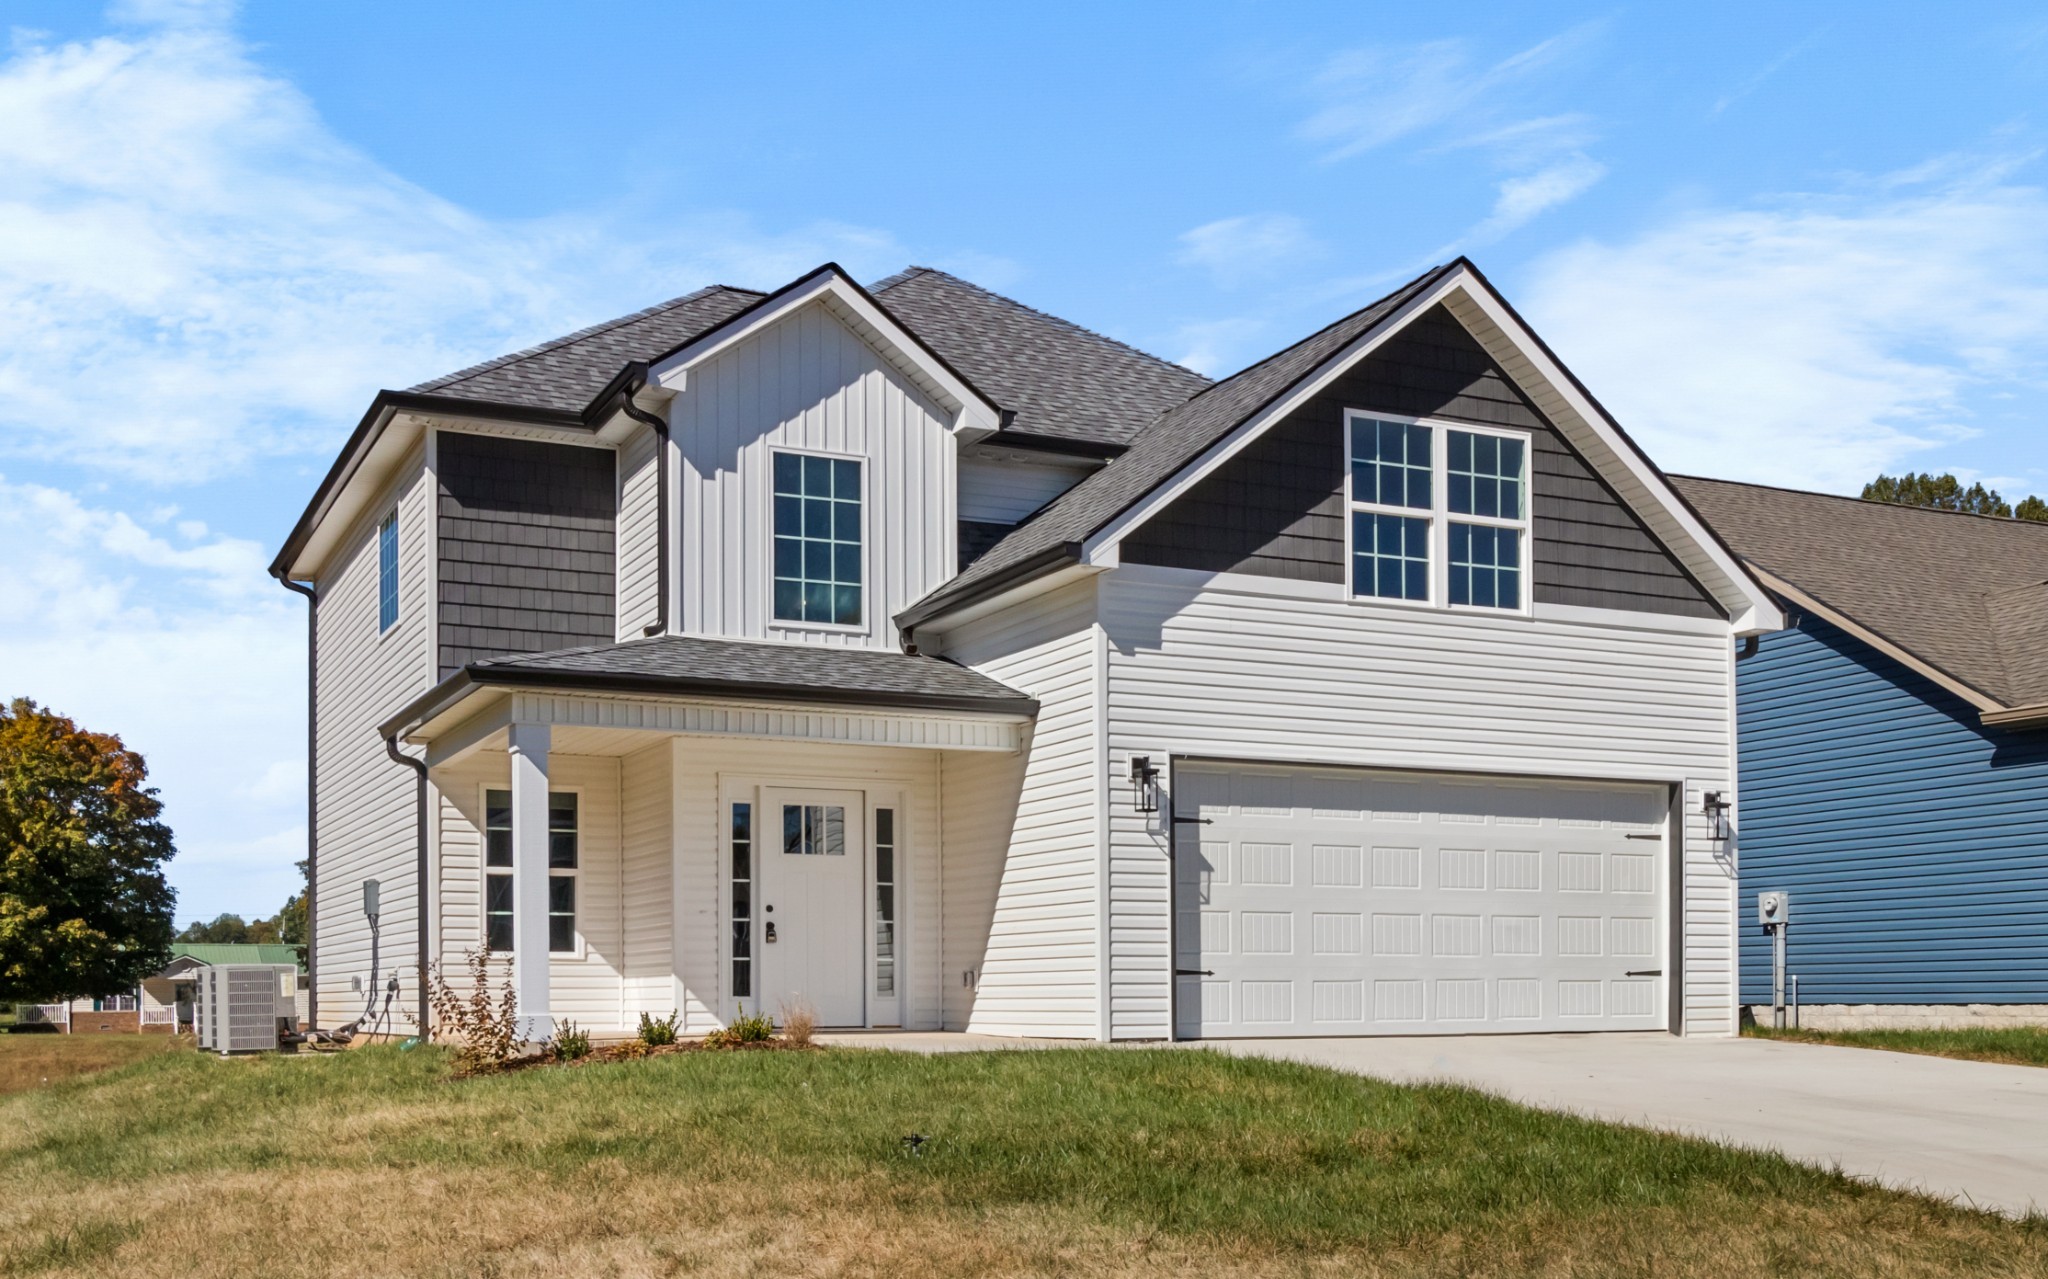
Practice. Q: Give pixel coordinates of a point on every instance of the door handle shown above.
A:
(1644, 972)
(770, 939)
(1193, 972)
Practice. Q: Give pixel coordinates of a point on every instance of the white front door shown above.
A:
(812, 845)
(1344, 902)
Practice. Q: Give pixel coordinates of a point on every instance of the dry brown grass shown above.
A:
(743, 1164)
(29, 1061)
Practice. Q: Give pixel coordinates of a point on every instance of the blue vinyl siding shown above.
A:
(1914, 840)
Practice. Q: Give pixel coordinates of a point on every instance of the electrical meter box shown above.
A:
(1773, 908)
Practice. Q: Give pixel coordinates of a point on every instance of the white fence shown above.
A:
(43, 1015)
(166, 1015)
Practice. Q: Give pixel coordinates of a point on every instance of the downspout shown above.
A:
(419, 768)
(312, 778)
(659, 424)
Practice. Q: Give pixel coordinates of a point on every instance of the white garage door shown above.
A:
(1343, 902)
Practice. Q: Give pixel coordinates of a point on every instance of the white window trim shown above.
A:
(886, 1010)
(397, 569)
(1439, 515)
(484, 869)
(867, 584)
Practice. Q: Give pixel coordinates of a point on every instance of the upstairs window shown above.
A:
(1438, 514)
(387, 572)
(817, 539)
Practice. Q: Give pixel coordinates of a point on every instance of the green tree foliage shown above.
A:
(84, 907)
(1943, 492)
(294, 927)
(2032, 508)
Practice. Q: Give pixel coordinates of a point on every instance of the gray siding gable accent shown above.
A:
(1277, 508)
(527, 539)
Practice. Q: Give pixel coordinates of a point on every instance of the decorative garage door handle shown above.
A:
(1644, 972)
(1193, 972)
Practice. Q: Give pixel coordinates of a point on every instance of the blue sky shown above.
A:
(1792, 244)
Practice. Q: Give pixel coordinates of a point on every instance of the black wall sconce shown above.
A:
(1715, 808)
(1145, 783)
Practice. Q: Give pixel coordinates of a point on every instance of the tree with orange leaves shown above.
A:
(84, 907)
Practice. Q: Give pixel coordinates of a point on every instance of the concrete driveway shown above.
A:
(1966, 1130)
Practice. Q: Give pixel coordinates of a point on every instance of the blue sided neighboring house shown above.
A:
(1893, 751)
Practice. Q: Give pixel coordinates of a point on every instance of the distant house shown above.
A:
(1894, 756)
(162, 1003)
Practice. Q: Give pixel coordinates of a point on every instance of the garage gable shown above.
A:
(1277, 508)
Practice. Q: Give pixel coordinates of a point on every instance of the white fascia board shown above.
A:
(973, 417)
(1750, 607)
(1099, 550)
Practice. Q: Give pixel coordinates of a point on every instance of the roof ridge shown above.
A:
(913, 272)
(589, 331)
(1861, 501)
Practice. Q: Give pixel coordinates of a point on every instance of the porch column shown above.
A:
(529, 751)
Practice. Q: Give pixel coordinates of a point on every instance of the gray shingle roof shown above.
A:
(1176, 438)
(1058, 379)
(567, 372)
(1963, 593)
(737, 668)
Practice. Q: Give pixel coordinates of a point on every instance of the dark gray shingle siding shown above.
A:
(526, 536)
(1278, 507)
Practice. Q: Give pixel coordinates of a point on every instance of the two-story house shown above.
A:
(936, 663)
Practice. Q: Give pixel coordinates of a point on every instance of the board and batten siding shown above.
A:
(1913, 839)
(704, 774)
(587, 986)
(1255, 669)
(364, 800)
(1001, 490)
(638, 545)
(807, 383)
(1277, 508)
(1023, 833)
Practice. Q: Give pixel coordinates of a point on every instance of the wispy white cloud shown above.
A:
(196, 272)
(1241, 248)
(1755, 80)
(1440, 98)
(1819, 339)
(165, 637)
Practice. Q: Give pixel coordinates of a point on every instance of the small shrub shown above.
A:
(798, 1021)
(756, 1029)
(631, 1050)
(659, 1033)
(570, 1042)
(482, 1022)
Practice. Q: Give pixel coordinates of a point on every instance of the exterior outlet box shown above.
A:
(1773, 908)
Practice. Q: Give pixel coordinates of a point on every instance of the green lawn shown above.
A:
(2015, 1045)
(1083, 1162)
(34, 1060)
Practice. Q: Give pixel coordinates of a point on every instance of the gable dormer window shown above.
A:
(1438, 514)
(818, 552)
(387, 572)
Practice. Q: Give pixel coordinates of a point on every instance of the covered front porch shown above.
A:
(638, 852)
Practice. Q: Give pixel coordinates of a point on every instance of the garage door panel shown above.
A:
(1318, 901)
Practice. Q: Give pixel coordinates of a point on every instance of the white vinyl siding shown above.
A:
(807, 383)
(1250, 669)
(637, 568)
(1023, 834)
(707, 771)
(364, 799)
(586, 984)
(1002, 491)
(648, 879)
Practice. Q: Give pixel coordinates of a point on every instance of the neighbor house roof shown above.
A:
(1053, 378)
(1962, 597)
(758, 670)
(234, 952)
(1176, 437)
